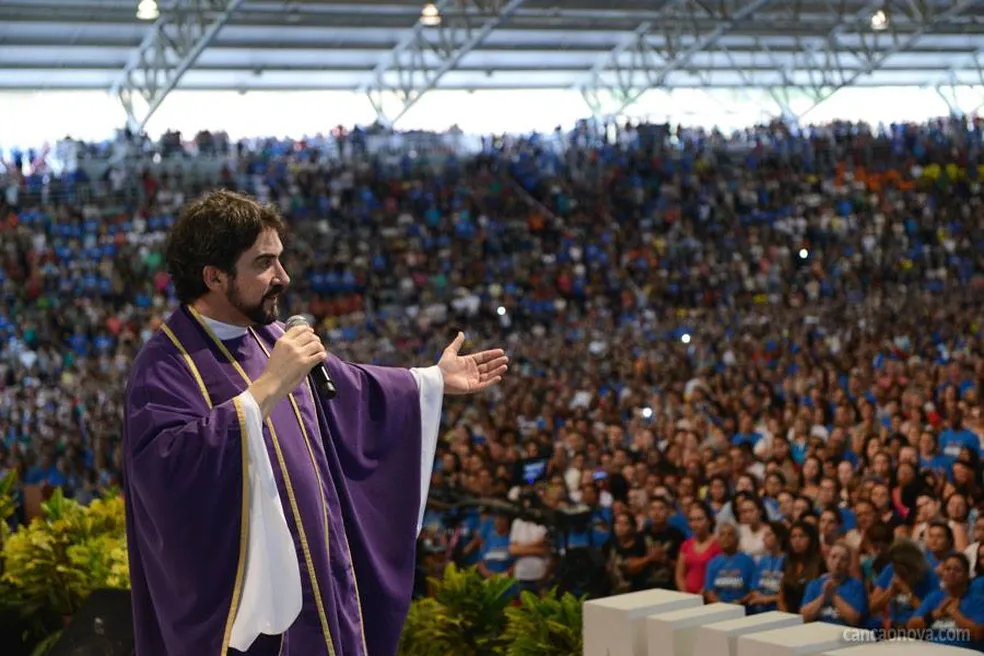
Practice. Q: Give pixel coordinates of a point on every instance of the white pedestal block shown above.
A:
(672, 634)
(615, 626)
(806, 640)
(902, 648)
(721, 638)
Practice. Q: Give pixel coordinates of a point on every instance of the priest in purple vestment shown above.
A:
(261, 517)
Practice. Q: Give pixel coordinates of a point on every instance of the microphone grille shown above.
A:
(295, 321)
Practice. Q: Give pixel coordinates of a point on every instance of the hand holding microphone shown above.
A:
(319, 373)
(295, 355)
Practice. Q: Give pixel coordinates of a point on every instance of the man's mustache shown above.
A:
(276, 290)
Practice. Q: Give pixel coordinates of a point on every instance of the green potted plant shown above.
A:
(465, 617)
(51, 565)
(545, 626)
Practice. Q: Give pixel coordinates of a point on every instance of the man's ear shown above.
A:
(215, 278)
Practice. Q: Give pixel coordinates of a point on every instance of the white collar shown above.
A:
(224, 331)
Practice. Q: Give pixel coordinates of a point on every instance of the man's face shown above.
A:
(828, 490)
(259, 280)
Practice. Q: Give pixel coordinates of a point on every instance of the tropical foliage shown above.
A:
(470, 615)
(50, 566)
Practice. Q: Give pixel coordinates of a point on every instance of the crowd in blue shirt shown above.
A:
(773, 334)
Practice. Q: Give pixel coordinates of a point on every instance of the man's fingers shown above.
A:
(300, 333)
(494, 373)
(488, 383)
(455, 346)
(313, 347)
(488, 356)
(499, 364)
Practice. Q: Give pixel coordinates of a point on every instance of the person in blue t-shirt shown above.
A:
(956, 437)
(768, 572)
(939, 543)
(495, 557)
(729, 574)
(902, 586)
(954, 614)
(837, 597)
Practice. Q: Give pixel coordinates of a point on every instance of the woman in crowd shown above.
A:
(957, 512)
(939, 543)
(628, 562)
(731, 573)
(954, 615)
(768, 571)
(802, 509)
(902, 586)
(803, 564)
(697, 551)
(718, 494)
(836, 597)
(885, 511)
(810, 477)
(873, 557)
(856, 538)
(752, 527)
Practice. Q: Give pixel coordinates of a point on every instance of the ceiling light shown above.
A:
(430, 16)
(147, 10)
(879, 21)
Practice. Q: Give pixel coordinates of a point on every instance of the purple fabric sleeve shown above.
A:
(183, 466)
(375, 430)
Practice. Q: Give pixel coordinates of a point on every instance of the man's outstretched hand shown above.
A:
(467, 374)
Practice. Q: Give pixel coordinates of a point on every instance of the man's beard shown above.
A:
(262, 313)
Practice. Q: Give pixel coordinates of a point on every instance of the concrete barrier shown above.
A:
(673, 633)
(805, 640)
(721, 638)
(616, 626)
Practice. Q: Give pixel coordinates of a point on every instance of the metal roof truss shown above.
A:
(170, 48)
(408, 72)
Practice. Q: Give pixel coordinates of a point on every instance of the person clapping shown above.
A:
(836, 597)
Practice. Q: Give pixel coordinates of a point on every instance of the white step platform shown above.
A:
(721, 638)
(673, 633)
(616, 626)
(902, 648)
(805, 640)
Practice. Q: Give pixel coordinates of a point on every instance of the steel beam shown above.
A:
(947, 83)
(425, 54)
(658, 48)
(170, 48)
(853, 49)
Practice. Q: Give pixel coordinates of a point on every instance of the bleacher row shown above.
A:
(670, 623)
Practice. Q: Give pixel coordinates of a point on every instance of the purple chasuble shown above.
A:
(350, 490)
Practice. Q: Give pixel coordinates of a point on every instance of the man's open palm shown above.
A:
(467, 374)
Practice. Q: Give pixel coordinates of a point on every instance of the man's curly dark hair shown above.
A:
(214, 230)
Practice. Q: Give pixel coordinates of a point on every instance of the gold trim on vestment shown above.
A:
(191, 363)
(237, 587)
(324, 504)
(319, 602)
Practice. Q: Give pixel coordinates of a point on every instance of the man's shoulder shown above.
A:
(158, 354)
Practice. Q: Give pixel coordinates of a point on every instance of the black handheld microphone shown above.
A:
(319, 374)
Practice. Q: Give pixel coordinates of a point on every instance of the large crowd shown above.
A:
(747, 366)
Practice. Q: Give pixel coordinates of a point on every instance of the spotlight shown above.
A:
(879, 21)
(430, 16)
(148, 10)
